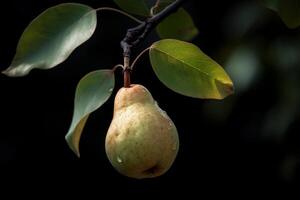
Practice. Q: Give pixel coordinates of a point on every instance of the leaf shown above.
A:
(288, 10)
(137, 7)
(178, 25)
(185, 69)
(93, 90)
(51, 37)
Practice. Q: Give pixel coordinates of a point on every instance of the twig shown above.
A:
(135, 35)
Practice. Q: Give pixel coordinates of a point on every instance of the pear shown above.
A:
(142, 141)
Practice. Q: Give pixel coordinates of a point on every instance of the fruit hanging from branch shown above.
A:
(142, 141)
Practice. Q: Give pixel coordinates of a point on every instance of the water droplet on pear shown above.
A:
(119, 160)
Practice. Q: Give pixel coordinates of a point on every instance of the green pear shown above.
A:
(142, 141)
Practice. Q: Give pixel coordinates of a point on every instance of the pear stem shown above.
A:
(126, 72)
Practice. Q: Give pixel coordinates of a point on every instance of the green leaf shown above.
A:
(288, 10)
(51, 37)
(178, 25)
(93, 90)
(137, 7)
(185, 69)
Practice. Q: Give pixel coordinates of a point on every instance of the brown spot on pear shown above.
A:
(142, 141)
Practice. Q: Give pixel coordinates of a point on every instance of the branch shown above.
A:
(135, 35)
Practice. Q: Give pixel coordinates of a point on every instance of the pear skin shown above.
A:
(142, 141)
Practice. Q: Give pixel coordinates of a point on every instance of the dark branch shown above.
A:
(138, 33)
(135, 35)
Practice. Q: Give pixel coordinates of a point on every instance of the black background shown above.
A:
(218, 152)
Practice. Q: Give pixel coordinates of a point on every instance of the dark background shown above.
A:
(247, 142)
